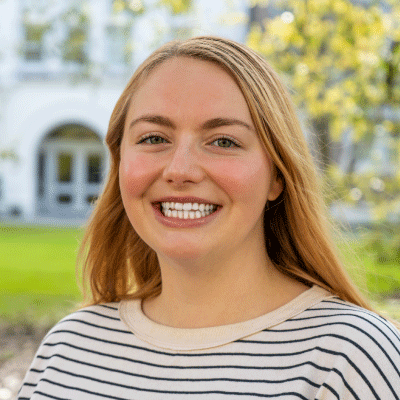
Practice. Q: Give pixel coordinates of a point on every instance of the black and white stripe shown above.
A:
(331, 350)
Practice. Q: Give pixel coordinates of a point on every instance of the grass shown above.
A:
(37, 269)
(380, 282)
(377, 280)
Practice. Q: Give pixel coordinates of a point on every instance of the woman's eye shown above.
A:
(225, 142)
(152, 140)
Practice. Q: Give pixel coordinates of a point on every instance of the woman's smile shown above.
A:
(187, 210)
(194, 175)
(180, 212)
(185, 207)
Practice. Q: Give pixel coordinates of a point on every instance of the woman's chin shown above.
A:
(183, 254)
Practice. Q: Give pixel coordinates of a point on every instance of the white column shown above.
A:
(79, 180)
(50, 177)
(99, 14)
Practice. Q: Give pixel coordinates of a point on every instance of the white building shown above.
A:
(63, 66)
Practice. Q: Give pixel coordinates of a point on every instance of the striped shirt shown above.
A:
(315, 347)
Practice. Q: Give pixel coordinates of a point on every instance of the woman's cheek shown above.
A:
(136, 173)
(243, 179)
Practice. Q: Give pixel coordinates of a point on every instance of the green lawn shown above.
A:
(380, 280)
(37, 267)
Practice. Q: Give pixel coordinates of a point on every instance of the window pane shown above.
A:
(41, 167)
(64, 198)
(33, 51)
(91, 199)
(64, 167)
(94, 168)
(75, 46)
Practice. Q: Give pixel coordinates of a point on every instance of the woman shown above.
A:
(210, 267)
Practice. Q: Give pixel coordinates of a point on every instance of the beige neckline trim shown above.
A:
(178, 339)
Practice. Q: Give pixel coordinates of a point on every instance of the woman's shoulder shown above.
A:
(351, 334)
(89, 329)
(352, 341)
(335, 312)
(340, 318)
(97, 312)
(92, 321)
(73, 345)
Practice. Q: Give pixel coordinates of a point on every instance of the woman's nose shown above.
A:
(183, 165)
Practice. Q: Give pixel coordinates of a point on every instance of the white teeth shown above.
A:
(187, 210)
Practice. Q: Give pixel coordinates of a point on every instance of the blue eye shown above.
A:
(153, 139)
(225, 142)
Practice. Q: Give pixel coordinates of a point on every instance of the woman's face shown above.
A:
(194, 176)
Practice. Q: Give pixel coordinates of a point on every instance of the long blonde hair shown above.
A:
(117, 264)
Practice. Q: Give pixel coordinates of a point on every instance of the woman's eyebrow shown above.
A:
(154, 119)
(217, 122)
(210, 124)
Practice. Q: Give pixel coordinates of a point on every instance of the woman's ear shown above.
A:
(276, 186)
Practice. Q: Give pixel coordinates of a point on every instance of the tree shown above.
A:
(341, 59)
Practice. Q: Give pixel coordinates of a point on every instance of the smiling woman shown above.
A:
(208, 256)
(198, 146)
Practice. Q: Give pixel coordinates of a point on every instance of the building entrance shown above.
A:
(71, 165)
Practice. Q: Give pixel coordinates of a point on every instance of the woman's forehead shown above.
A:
(190, 87)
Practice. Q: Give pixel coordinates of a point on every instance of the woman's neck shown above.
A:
(221, 295)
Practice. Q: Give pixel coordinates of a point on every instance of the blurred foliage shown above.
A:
(381, 196)
(384, 240)
(341, 60)
(9, 154)
(134, 7)
(336, 56)
(177, 6)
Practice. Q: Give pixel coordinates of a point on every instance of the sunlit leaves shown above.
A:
(342, 61)
(331, 50)
(134, 7)
(283, 30)
(177, 6)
